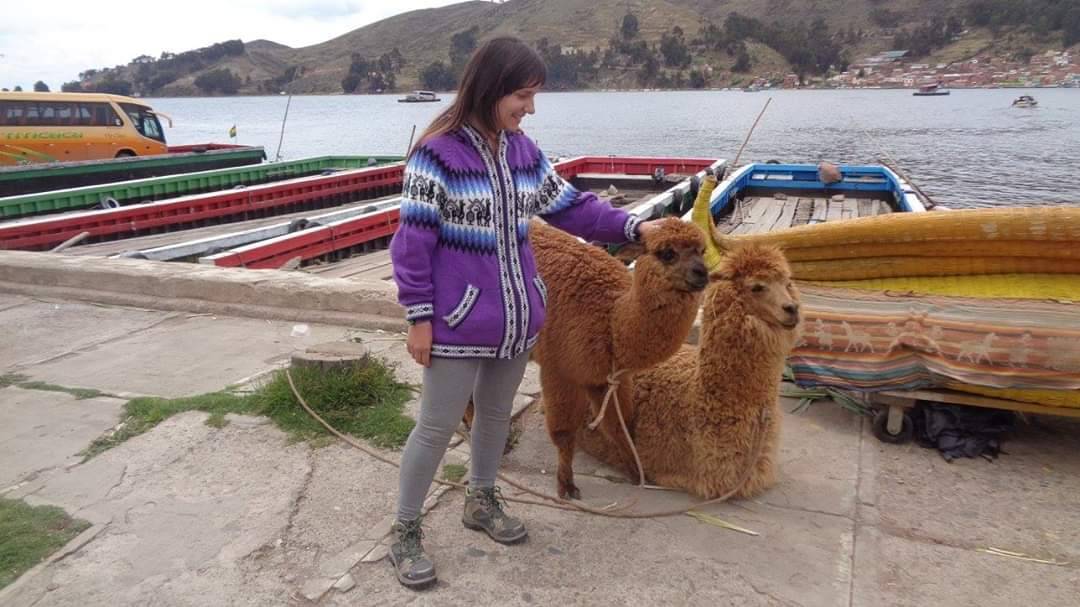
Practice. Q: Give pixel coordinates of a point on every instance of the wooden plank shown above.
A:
(787, 215)
(773, 208)
(820, 211)
(802, 211)
(867, 207)
(851, 208)
(978, 400)
(883, 207)
(836, 210)
(753, 212)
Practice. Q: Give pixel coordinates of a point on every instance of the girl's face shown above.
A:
(511, 109)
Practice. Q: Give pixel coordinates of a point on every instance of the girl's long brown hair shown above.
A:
(498, 68)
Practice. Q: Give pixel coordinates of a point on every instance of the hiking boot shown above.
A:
(411, 564)
(484, 512)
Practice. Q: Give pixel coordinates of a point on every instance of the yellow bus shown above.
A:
(60, 127)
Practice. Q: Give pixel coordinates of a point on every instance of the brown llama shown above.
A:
(698, 415)
(601, 318)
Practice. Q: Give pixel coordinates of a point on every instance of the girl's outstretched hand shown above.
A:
(419, 342)
(647, 227)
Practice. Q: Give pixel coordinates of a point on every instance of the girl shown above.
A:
(468, 282)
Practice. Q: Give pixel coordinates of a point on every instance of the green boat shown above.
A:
(111, 195)
(28, 179)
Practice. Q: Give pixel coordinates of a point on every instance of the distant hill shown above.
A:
(676, 43)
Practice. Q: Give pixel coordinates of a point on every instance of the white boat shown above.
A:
(1025, 101)
(420, 97)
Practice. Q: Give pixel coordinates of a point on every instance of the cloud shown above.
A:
(54, 41)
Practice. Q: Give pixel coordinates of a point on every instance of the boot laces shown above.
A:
(411, 534)
(493, 500)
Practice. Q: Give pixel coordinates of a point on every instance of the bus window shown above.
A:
(11, 113)
(65, 114)
(97, 114)
(145, 121)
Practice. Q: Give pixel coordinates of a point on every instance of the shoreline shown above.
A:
(635, 90)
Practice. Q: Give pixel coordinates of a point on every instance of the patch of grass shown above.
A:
(22, 381)
(12, 379)
(366, 402)
(78, 393)
(142, 414)
(29, 534)
(454, 472)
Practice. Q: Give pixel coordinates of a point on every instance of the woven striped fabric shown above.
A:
(874, 341)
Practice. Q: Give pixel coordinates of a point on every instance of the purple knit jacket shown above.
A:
(461, 254)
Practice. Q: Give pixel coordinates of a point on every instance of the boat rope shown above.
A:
(558, 503)
(895, 167)
(735, 163)
(612, 395)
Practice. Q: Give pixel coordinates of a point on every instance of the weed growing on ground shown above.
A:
(12, 379)
(22, 381)
(454, 472)
(78, 393)
(366, 402)
(29, 534)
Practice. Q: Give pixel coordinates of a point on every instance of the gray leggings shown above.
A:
(448, 383)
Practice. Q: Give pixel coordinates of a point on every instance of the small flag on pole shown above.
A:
(232, 132)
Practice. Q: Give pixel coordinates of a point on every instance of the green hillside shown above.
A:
(676, 43)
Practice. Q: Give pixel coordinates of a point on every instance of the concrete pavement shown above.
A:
(188, 514)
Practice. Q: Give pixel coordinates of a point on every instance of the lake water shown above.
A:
(966, 149)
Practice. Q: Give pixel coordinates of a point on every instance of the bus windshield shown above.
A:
(145, 121)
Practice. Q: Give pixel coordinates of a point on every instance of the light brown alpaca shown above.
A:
(602, 318)
(697, 413)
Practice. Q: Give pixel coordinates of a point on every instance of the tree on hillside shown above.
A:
(221, 80)
(629, 27)
(17, 89)
(698, 79)
(742, 60)
(462, 44)
(372, 75)
(41, 87)
(674, 50)
(114, 85)
(73, 86)
(649, 71)
(438, 76)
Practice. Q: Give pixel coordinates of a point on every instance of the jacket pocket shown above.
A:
(468, 300)
(541, 288)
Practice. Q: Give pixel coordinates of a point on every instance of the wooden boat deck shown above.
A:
(758, 214)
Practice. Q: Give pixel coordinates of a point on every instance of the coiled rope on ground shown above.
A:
(551, 501)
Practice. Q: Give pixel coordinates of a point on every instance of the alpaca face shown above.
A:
(774, 299)
(761, 279)
(674, 258)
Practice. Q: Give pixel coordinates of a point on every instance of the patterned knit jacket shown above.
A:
(461, 254)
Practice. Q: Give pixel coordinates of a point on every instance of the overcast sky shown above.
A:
(54, 40)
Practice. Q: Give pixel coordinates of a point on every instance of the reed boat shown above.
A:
(978, 307)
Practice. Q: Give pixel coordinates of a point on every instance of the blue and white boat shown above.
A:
(764, 197)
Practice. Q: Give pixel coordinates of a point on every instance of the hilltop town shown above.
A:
(893, 69)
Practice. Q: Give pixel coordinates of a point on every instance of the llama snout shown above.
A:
(791, 314)
(697, 277)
